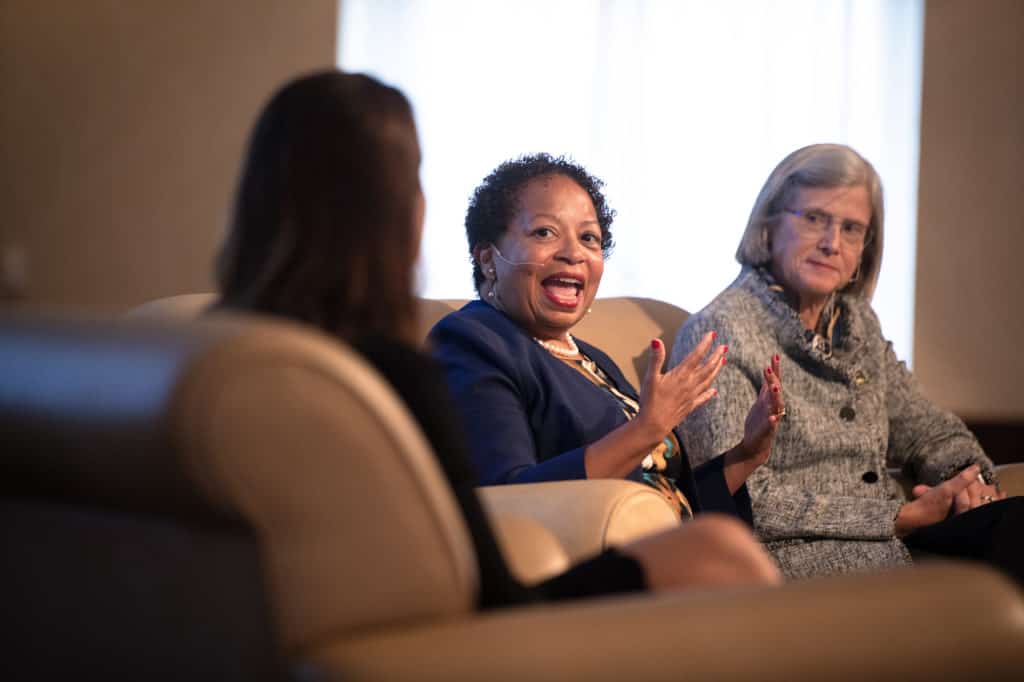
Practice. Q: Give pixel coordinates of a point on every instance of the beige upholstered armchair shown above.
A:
(585, 516)
(623, 327)
(240, 498)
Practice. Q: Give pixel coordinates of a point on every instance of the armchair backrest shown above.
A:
(239, 439)
(180, 307)
(621, 326)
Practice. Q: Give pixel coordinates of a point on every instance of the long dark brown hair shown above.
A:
(324, 228)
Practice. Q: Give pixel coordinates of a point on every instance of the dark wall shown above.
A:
(121, 130)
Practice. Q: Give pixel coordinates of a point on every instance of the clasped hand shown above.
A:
(933, 504)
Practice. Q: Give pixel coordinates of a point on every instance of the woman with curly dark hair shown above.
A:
(326, 231)
(540, 404)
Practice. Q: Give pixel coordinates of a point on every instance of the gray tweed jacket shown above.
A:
(823, 503)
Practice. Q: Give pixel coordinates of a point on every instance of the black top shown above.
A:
(419, 382)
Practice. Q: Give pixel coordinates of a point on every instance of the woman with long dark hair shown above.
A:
(326, 231)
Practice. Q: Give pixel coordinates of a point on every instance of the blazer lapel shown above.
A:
(609, 367)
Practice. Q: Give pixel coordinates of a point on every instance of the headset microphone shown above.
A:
(513, 263)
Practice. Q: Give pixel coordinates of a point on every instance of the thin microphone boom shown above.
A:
(513, 263)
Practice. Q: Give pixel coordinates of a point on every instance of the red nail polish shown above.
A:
(776, 357)
(775, 389)
(655, 343)
(723, 359)
(725, 349)
(768, 370)
(714, 335)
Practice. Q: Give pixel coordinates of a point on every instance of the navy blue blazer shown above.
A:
(529, 416)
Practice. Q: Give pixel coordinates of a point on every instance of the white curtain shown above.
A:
(681, 107)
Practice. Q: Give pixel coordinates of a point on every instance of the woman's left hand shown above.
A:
(974, 495)
(763, 418)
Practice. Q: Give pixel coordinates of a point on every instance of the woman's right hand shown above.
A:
(763, 418)
(667, 398)
(934, 503)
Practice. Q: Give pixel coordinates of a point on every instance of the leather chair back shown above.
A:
(179, 307)
(621, 326)
(201, 466)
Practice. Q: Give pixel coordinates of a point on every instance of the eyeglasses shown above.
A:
(815, 223)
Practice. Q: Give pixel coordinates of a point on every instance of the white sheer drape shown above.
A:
(682, 107)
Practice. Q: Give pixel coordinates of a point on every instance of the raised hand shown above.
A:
(667, 398)
(763, 419)
(758, 429)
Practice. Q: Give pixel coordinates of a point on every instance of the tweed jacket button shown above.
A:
(847, 413)
(870, 477)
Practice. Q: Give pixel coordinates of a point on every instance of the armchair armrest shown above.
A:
(532, 551)
(1011, 478)
(586, 516)
(949, 621)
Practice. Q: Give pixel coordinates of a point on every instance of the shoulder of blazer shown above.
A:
(481, 324)
(480, 332)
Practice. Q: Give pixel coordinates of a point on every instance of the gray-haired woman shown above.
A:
(823, 503)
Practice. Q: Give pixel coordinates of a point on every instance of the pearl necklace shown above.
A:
(571, 352)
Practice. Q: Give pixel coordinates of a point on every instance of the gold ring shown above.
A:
(780, 414)
(988, 498)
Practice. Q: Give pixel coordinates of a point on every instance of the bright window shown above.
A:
(681, 107)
